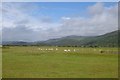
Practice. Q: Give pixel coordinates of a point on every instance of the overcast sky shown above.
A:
(36, 21)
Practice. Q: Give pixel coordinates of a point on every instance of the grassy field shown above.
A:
(0, 62)
(31, 62)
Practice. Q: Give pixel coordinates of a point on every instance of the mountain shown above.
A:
(16, 43)
(66, 41)
(106, 40)
(109, 39)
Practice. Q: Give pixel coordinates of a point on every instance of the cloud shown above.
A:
(21, 32)
(66, 18)
(98, 8)
(20, 25)
(102, 20)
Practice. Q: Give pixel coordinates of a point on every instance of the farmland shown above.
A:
(32, 62)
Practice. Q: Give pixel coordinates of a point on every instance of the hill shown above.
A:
(109, 39)
(106, 40)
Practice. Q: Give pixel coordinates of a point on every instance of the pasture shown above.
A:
(43, 62)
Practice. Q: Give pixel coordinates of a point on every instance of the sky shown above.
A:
(37, 21)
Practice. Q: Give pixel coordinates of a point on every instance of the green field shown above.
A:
(30, 62)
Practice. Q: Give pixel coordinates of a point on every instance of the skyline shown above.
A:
(36, 21)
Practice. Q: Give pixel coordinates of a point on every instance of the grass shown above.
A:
(0, 62)
(30, 62)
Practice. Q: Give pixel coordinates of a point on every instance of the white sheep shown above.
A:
(56, 48)
(66, 50)
(50, 49)
(74, 50)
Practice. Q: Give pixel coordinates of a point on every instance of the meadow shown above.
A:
(32, 62)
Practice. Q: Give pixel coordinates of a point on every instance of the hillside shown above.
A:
(109, 39)
(106, 40)
(15, 43)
